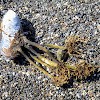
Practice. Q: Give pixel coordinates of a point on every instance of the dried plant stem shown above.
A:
(63, 48)
(55, 46)
(45, 60)
(49, 62)
(41, 69)
(41, 48)
(35, 58)
(71, 67)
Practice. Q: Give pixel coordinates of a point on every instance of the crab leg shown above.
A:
(41, 48)
(41, 69)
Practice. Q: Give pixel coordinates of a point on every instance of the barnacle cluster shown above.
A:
(62, 71)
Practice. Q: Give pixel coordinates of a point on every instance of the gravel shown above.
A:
(53, 21)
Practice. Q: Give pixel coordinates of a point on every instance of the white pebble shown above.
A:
(39, 77)
(5, 94)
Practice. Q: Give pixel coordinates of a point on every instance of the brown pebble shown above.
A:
(33, 69)
(44, 80)
(0, 82)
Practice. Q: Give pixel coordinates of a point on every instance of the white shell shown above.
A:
(10, 26)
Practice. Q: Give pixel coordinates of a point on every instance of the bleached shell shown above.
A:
(10, 26)
(10, 23)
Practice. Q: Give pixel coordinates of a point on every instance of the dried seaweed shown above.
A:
(81, 70)
(62, 74)
(72, 44)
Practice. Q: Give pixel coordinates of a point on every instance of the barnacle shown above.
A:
(13, 41)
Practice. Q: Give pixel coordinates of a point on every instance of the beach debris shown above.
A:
(13, 43)
(10, 29)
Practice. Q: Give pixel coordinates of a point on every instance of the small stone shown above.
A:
(27, 73)
(66, 3)
(86, 1)
(98, 27)
(5, 94)
(61, 55)
(58, 5)
(39, 77)
(37, 15)
(1, 76)
(77, 95)
(84, 92)
(33, 69)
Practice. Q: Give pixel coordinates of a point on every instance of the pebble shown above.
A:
(77, 95)
(5, 94)
(98, 27)
(86, 1)
(39, 77)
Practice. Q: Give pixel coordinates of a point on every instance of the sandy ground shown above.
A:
(52, 22)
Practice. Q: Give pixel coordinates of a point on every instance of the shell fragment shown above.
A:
(10, 27)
